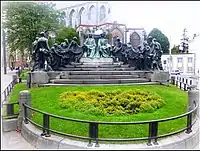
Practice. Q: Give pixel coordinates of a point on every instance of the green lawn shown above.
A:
(47, 99)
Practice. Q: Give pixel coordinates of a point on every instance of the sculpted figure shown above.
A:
(141, 65)
(42, 54)
(65, 44)
(132, 56)
(57, 57)
(91, 47)
(103, 46)
(75, 51)
(118, 50)
(147, 56)
(157, 64)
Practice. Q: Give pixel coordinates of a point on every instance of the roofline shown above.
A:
(87, 25)
(73, 6)
(77, 5)
(135, 28)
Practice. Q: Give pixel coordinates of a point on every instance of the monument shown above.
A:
(96, 57)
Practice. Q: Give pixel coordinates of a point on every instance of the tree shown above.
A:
(25, 20)
(66, 33)
(161, 38)
(175, 49)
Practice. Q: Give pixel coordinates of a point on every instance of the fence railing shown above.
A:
(7, 91)
(93, 130)
(9, 110)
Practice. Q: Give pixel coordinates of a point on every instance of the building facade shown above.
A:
(184, 62)
(88, 13)
(194, 48)
(92, 16)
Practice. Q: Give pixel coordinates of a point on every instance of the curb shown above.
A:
(180, 141)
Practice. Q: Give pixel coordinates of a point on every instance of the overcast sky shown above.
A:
(170, 17)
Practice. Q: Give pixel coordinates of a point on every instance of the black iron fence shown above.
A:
(93, 131)
(93, 126)
(7, 91)
(8, 109)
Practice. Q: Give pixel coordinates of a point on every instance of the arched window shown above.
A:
(116, 33)
(72, 18)
(135, 39)
(109, 11)
(92, 14)
(102, 12)
(82, 16)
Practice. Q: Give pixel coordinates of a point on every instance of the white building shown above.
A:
(194, 47)
(89, 13)
(184, 62)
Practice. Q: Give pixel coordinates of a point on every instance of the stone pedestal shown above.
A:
(96, 60)
(39, 77)
(24, 97)
(159, 76)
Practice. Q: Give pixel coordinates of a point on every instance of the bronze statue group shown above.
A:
(146, 57)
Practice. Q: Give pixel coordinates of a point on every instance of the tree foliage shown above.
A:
(161, 38)
(175, 49)
(66, 33)
(23, 21)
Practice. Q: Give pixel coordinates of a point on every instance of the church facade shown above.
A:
(90, 17)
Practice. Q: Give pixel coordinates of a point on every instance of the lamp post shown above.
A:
(4, 51)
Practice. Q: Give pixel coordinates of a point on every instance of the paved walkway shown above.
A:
(13, 140)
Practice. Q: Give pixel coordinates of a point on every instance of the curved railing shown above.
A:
(93, 126)
(7, 91)
(9, 110)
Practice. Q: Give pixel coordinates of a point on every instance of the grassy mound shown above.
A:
(107, 103)
(48, 99)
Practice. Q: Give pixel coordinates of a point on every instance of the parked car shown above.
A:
(175, 72)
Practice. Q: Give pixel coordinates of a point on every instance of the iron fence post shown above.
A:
(4, 95)
(189, 123)
(45, 126)
(177, 83)
(173, 82)
(180, 85)
(93, 133)
(185, 87)
(10, 109)
(153, 132)
(7, 91)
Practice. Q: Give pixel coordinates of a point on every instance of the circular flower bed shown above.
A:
(116, 102)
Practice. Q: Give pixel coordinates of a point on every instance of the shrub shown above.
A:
(24, 74)
(115, 102)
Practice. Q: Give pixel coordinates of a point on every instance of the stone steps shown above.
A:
(142, 83)
(99, 76)
(98, 81)
(105, 72)
(97, 69)
(97, 66)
